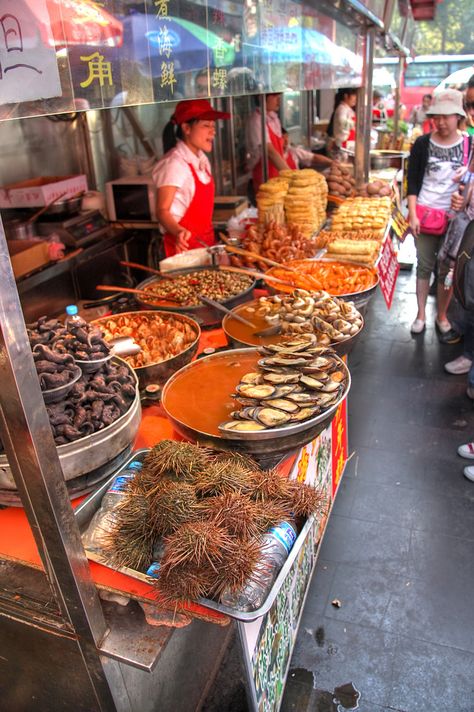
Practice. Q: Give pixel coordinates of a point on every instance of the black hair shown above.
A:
(171, 134)
(283, 131)
(340, 94)
(427, 96)
(470, 84)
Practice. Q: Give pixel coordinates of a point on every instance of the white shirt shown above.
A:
(253, 135)
(173, 170)
(344, 122)
(438, 184)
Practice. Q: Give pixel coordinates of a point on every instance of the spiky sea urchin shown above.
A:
(233, 511)
(222, 476)
(304, 500)
(171, 504)
(240, 566)
(182, 583)
(170, 458)
(130, 541)
(197, 544)
(268, 484)
(270, 513)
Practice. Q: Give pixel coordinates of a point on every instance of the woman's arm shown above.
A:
(275, 158)
(164, 200)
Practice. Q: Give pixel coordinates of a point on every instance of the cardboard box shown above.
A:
(27, 255)
(226, 206)
(36, 192)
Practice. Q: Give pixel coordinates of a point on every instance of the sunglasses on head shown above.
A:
(469, 105)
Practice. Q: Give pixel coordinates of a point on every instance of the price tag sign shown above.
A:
(388, 269)
(399, 226)
(28, 65)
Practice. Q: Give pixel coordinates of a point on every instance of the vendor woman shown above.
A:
(273, 139)
(185, 186)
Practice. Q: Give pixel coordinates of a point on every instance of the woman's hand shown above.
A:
(457, 201)
(182, 240)
(414, 223)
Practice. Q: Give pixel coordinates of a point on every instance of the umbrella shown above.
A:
(456, 80)
(83, 22)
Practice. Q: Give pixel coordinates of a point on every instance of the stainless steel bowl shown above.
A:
(340, 347)
(203, 314)
(160, 372)
(274, 442)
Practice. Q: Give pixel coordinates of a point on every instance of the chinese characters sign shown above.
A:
(28, 66)
(388, 269)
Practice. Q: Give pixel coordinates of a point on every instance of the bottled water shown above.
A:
(72, 315)
(103, 520)
(276, 545)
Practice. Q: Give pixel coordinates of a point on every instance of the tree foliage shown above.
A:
(451, 32)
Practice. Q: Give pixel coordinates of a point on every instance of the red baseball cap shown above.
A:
(196, 109)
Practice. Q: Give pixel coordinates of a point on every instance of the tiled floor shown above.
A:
(398, 551)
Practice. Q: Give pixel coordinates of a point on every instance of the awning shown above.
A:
(423, 9)
(83, 22)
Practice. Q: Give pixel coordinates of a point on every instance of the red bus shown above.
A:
(420, 75)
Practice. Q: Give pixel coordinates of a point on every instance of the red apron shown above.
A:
(197, 218)
(273, 171)
(290, 161)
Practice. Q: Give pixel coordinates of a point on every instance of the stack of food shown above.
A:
(306, 200)
(354, 246)
(276, 242)
(362, 214)
(341, 181)
(296, 380)
(329, 318)
(270, 199)
(375, 189)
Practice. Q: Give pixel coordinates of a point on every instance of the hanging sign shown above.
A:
(399, 226)
(28, 65)
(388, 269)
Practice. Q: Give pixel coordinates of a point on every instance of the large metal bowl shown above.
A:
(360, 299)
(203, 314)
(92, 452)
(160, 371)
(340, 347)
(275, 442)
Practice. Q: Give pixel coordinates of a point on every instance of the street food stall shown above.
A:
(103, 632)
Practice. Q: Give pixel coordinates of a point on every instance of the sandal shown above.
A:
(418, 326)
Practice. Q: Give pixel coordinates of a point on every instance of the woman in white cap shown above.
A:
(434, 161)
(185, 196)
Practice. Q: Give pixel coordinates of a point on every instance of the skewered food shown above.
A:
(160, 337)
(296, 380)
(331, 276)
(276, 242)
(185, 289)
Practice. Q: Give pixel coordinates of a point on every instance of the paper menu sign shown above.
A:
(28, 64)
(388, 269)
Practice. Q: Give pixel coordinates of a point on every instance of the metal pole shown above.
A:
(263, 116)
(364, 112)
(232, 157)
(396, 112)
(310, 112)
(32, 455)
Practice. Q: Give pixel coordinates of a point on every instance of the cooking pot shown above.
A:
(385, 159)
(19, 230)
(69, 206)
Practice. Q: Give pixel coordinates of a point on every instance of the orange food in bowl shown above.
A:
(334, 276)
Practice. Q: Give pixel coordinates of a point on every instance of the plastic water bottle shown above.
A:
(103, 520)
(72, 315)
(276, 546)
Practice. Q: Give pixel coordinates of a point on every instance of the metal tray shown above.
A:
(86, 510)
(276, 441)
